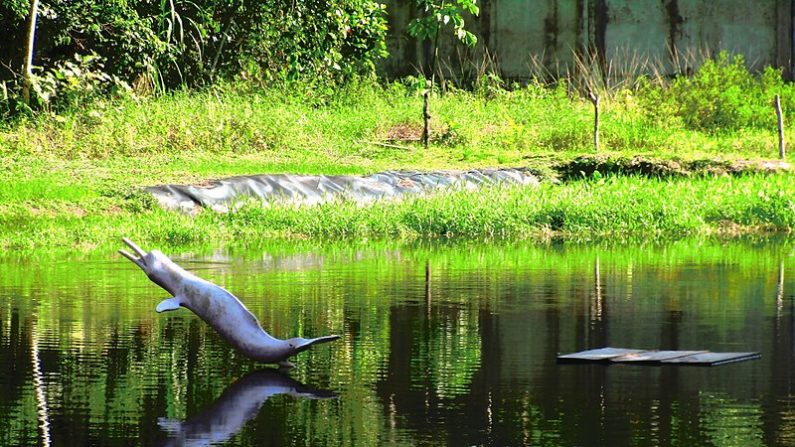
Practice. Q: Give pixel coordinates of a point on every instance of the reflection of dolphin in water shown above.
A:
(238, 404)
(218, 308)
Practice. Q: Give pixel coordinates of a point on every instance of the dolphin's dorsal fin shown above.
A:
(168, 304)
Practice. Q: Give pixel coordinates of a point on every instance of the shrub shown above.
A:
(723, 94)
(72, 83)
(158, 44)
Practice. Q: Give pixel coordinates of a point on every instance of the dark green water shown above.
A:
(441, 346)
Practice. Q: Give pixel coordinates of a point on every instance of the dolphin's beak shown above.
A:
(305, 343)
(311, 393)
(140, 261)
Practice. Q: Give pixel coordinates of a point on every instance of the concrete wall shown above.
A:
(513, 31)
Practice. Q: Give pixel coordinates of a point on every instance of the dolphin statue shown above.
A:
(218, 308)
(237, 405)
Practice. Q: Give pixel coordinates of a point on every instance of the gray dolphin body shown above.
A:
(238, 404)
(218, 308)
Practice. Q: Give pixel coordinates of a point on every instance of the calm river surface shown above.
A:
(442, 345)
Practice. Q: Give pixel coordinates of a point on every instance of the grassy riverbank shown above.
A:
(72, 181)
(615, 209)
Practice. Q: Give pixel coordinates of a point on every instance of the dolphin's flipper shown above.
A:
(168, 304)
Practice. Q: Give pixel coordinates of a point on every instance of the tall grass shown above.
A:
(614, 209)
(722, 110)
(73, 180)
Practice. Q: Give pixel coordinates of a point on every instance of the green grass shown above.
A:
(616, 208)
(613, 209)
(270, 127)
(74, 180)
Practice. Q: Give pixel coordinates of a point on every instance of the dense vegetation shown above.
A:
(72, 179)
(225, 88)
(722, 109)
(86, 48)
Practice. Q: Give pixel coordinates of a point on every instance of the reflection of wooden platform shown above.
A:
(644, 357)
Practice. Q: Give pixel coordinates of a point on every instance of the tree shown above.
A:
(27, 69)
(441, 13)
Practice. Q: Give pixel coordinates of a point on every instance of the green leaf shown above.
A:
(470, 39)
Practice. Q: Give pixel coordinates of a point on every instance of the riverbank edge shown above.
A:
(593, 198)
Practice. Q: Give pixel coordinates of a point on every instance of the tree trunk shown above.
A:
(27, 69)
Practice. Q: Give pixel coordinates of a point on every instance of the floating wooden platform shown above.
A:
(646, 357)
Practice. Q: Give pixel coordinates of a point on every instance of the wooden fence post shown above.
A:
(426, 117)
(781, 146)
(595, 100)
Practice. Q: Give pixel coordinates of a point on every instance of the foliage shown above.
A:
(724, 94)
(121, 35)
(441, 13)
(13, 14)
(317, 39)
(720, 95)
(158, 44)
(296, 123)
(76, 83)
(490, 85)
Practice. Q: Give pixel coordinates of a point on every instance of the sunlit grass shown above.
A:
(273, 127)
(612, 209)
(615, 208)
(74, 180)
